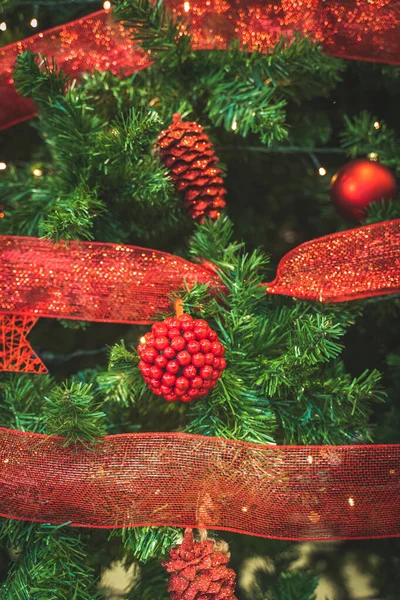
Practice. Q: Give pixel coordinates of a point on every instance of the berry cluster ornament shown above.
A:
(199, 571)
(181, 358)
(359, 183)
(190, 156)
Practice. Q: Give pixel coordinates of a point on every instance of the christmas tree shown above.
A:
(179, 153)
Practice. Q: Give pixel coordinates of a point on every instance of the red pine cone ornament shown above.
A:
(190, 156)
(199, 572)
(181, 358)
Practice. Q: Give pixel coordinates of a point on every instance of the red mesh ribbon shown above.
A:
(357, 263)
(129, 284)
(283, 492)
(358, 29)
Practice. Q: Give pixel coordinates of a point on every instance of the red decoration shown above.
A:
(157, 479)
(359, 183)
(199, 570)
(189, 155)
(94, 42)
(126, 284)
(181, 358)
(16, 353)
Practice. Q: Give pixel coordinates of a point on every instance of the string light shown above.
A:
(3, 166)
(142, 340)
(373, 156)
(322, 171)
(310, 460)
(34, 23)
(3, 26)
(107, 5)
(37, 172)
(351, 501)
(234, 125)
(186, 6)
(377, 125)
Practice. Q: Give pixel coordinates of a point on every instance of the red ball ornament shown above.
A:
(359, 183)
(181, 358)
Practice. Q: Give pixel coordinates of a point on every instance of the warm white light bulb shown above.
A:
(107, 5)
(310, 459)
(234, 125)
(373, 156)
(3, 166)
(37, 172)
(34, 23)
(322, 171)
(377, 125)
(142, 340)
(186, 6)
(351, 501)
(3, 26)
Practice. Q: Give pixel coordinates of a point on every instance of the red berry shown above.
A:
(212, 336)
(161, 343)
(157, 392)
(203, 391)
(178, 343)
(149, 337)
(169, 352)
(216, 363)
(173, 367)
(187, 325)
(193, 347)
(170, 397)
(209, 358)
(155, 383)
(213, 383)
(193, 393)
(147, 380)
(201, 332)
(190, 371)
(216, 374)
(159, 330)
(184, 358)
(222, 364)
(173, 333)
(186, 398)
(156, 372)
(205, 346)
(168, 379)
(141, 348)
(201, 323)
(196, 383)
(179, 391)
(198, 359)
(182, 383)
(207, 383)
(165, 389)
(161, 361)
(188, 336)
(216, 348)
(185, 317)
(206, 372)
(149, 355)
(171, 323)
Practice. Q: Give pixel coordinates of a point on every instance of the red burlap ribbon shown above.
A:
(283, 492)
(362, 30)
(95, 281)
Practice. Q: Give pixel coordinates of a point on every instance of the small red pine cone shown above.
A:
(181, 358)
(199, 571)
(190, 156)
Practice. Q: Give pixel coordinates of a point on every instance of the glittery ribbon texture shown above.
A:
(359, 29)
(283, 492)
(129, 284)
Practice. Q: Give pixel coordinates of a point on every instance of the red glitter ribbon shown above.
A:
(128, 284)
(282, 492)
(358, 29)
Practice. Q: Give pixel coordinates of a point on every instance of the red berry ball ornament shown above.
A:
(359, 183)
(181, 359)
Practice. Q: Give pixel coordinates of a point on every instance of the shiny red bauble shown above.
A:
(181, 358)
(359, 183)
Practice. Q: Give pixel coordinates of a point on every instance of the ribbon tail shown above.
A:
(16, 354)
